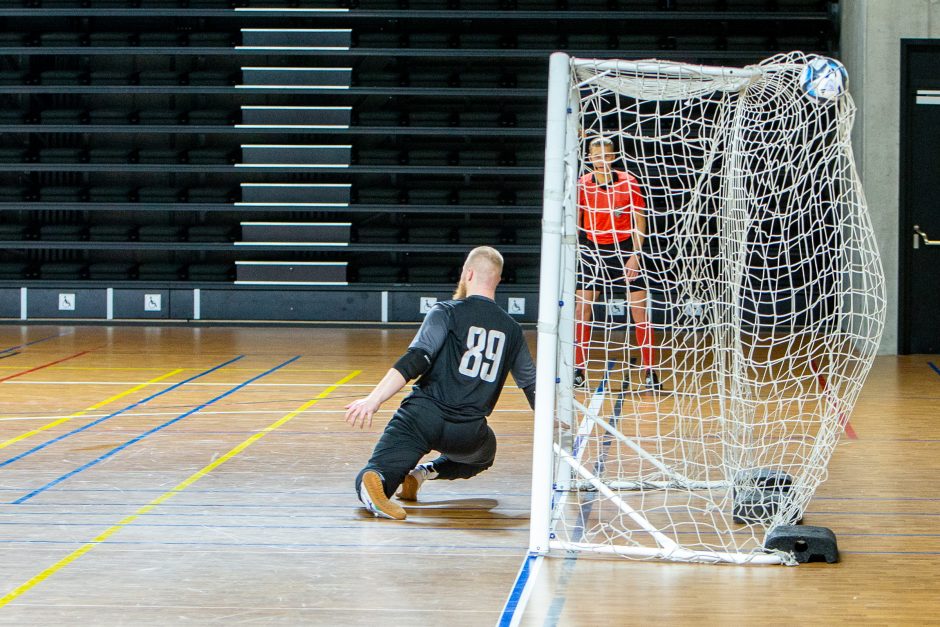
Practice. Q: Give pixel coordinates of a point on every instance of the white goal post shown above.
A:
(756, 296)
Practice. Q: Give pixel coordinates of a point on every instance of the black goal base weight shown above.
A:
(758, 495)
(807, 543)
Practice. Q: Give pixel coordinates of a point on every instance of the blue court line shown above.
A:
(143, 435)
(513, 601)
(51, 337)
(935, 368)
(39, 447)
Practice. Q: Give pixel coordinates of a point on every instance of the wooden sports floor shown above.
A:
(155, 476)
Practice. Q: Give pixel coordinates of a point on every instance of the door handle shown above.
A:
(923, 236)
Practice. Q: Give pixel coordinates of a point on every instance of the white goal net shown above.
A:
(709, 270)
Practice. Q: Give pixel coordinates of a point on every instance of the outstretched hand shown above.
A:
(361, 410)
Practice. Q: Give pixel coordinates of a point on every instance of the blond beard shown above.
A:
(461, 292)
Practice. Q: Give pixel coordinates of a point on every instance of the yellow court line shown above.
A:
(181, 369)
(196, 476)
(98, 405)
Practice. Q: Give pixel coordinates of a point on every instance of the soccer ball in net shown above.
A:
(824, 78)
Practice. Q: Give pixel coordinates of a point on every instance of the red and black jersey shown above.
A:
(607, 210)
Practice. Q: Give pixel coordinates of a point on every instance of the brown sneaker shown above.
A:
(412, 483)
(372, 495)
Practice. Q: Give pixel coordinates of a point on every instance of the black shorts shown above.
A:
(601, 267)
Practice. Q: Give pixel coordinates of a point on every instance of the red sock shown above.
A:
(644, 337)
(582, 335)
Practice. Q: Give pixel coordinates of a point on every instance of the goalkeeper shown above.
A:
(461, 354)
(612, 227)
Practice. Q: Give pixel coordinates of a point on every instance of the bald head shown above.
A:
(482, 272)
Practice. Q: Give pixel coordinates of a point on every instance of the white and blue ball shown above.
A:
(824, 78)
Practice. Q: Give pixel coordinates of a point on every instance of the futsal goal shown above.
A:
(764, 295)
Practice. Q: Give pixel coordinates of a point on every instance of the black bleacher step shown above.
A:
(154, 155)
(62, 155)
(159, 272)
(157, 194)
(209, 156)
(211, 233)
(295, 193)
(295, 154)
(63, 232)
(12, 193)
(259, 76)
(528, 275)
(431, 156)
(210, 272)
(440, 234)
(295, 116)
(108, 77)
(109, 39)
(300, 232)
(440, 273)
(13, 77)
(112, 232)
(11, 116)
(481, 235)
(209, 78)
(104, 271)
(154, 117)
(64, 116)
(159, 233)
(379, 274)
(159, 39)
(13, 232)
(299, 272)
(382, 118)
(11, 40)
(433, 196)
(209, 117)
(195, 195)
(378, 40)
(526, 233)
(379, 235)
(12, 270)
(380, 196)
(295, 38)
(12, 155)
(382, 156)
(63, 194)
(212, 40)
(107, 116)
(109, 194)
(62, 77)
(157, 78)
(63, 270)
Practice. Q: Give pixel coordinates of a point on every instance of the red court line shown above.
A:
(843, 417)
(51, 363)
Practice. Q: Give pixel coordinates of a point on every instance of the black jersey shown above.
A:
(473, 345)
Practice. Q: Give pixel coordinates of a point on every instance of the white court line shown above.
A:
(242, 608)
(274, 385)
(238, 411)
